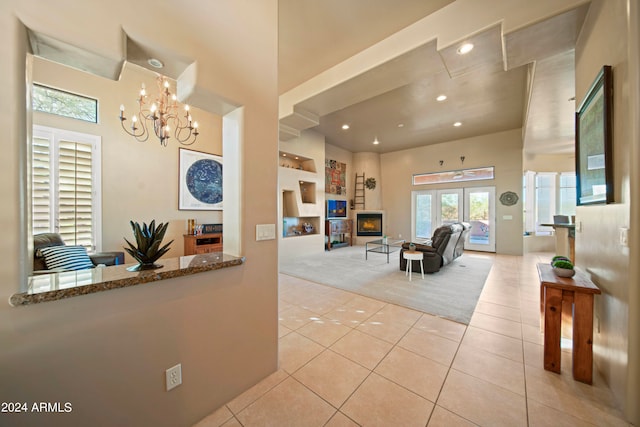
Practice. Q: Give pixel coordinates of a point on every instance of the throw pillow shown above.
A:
(66, 258)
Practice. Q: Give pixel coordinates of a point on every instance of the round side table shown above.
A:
(411, 256)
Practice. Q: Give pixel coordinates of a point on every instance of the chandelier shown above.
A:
(162, 116)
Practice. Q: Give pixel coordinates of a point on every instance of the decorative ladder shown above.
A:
(358, 198)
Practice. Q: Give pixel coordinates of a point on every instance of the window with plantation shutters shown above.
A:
(66, 185)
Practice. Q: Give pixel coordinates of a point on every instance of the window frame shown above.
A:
(38, 86)
(54, 136)
(530, 215)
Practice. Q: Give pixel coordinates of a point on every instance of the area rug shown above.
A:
(451, 293)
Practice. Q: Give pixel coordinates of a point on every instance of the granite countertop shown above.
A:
(57, 286)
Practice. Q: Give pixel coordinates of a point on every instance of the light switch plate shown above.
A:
(624, 237)
(265, 232)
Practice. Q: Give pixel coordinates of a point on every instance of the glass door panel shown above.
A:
(423, 213)
(480, 213)
(431, 209)
(450, 206)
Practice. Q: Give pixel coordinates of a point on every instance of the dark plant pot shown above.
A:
(141, 267)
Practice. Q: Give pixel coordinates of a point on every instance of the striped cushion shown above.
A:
(66, 258)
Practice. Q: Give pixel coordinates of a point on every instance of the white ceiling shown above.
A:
(524, 79)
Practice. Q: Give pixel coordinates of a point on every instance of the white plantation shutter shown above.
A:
(66, 186)
(75, 194)
(41, 185)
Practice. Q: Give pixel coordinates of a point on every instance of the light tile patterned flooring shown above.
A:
(348, 360)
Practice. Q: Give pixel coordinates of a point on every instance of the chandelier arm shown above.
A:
(141, 136)
(183, 141)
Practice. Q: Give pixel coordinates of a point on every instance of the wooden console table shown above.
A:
(339, 227)
(202, 244)
(577, 291)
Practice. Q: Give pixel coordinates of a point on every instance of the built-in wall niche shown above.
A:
(294, 161)
(289, 205)
(308, 191)
(300, 226)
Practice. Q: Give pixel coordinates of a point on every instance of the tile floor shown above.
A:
(348, 360)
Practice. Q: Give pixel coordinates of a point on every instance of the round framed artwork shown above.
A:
(508, 198)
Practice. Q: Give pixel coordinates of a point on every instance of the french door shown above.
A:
(476, 205)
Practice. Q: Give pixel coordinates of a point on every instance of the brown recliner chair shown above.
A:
(441, 251)
(45, 240)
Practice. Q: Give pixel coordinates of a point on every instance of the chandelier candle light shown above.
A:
(163, 116)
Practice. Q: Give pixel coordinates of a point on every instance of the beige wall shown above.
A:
(549, 162)
(130, 169)
(502, 150)
(106, 353)
(604, 40)
(341, 155)
(368, 164)
(310, 144)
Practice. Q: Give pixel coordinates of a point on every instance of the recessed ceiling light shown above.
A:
(375, 141)
(465, 48)
(345, 126)
(400, 125)
(457, 124)
(297, 158)
(284, 154)
(441, 98)
(155, 63)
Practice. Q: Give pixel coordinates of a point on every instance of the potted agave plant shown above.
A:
(147, 249)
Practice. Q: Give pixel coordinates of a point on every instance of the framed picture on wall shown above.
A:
(594, 161)
(200, 181)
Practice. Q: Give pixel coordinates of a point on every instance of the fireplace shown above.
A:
(369, 224)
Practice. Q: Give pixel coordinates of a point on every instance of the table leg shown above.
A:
(422, 269)
(366, 251)
(387, 254)
(552, 328)
(583, 337)
(541, 307)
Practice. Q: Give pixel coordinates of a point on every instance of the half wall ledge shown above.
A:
(58, 286)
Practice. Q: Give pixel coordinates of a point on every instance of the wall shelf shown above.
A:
(295, 226)
(308, 191)
(294, 161)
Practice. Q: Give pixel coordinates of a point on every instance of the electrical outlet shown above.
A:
(399, 236)
(174, 376)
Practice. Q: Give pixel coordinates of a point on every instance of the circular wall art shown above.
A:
(370, 183)
(508, 198)
(204, 181)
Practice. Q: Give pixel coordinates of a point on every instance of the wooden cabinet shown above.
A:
(339, 232)
(202, 244)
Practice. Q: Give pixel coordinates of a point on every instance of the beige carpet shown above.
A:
(451, 293)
